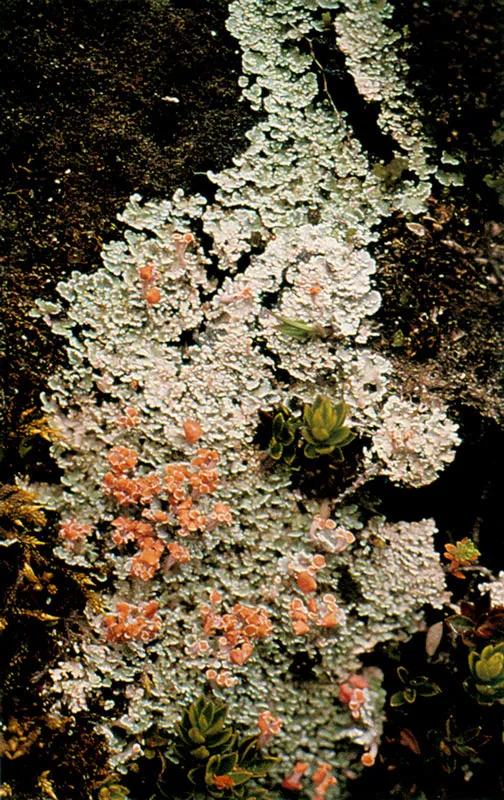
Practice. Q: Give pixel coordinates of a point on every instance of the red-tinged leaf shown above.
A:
(408, 739)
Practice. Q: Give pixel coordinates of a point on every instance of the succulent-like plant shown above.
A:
(202, 731)
(215, 761)
(487, 671)
(462, 554)
(323, 428)
(283, 442)
(413, 687)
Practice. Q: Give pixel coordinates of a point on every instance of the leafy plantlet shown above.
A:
(297, 329)
(420, 686)
(487, 671)
(283, 441)
(214, 761)
(461, 554)
(457, 746)
(323, 430)
(474, 627)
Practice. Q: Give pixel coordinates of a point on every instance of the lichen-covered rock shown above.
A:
(214, 576)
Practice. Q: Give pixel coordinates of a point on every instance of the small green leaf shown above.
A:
(201, 753)
(403, 675)
(397, 699)
(196, 737)
(487, 669)
(240, 776)
(409, 694)
(429, 690)
(276, 450)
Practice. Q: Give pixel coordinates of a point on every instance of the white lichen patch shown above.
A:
(365, 35)
(495, 589)
(415, 441)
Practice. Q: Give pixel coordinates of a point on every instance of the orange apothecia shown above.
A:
(220, 679)
(190, 519)
(146, 563)
(148, 273)
(236, 630)
(306, 582)
(178, 555)
(122, 459)
(192, 431)
(221, 515)
(153, 296)
(269, 727)
(223, 781)
(323, 613)
(293, 781)
(369, 757)
(182, 242)
(149, 276)
(129, 530)
(205, 458)
(183, 488)
(175, 477)
(322, 780)
(130, 419)
(131, 491)
(139, 623)
(304, 567)
(353, 692)
(328, 537)
(72, 531)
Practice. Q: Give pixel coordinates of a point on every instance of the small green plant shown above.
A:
(461, 554)
(215, 762)
(283, 443)
(487, 674)
(458, 746)
(323, 429)
(420, 686)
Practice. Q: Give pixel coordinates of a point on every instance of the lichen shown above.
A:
(415, 441)
(209, 350)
